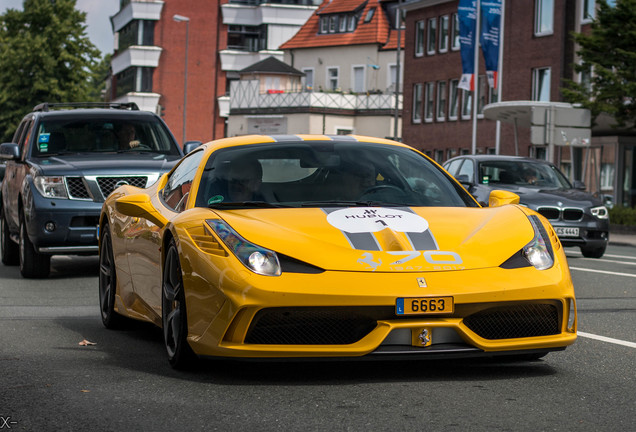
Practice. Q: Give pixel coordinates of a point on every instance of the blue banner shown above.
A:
(490, 36)
(466, 13)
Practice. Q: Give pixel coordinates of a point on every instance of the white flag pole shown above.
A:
(500, 73)
(477, 32)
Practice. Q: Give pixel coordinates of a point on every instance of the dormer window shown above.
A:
(333, 23)
(338, 23)
(369, 15)
(324, 24)
(352, 22)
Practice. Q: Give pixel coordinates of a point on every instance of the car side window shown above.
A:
(24, 137)
(452, 167)
(467, 169)
(175, 193)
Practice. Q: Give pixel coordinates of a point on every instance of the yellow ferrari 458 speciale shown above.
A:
(321, 246)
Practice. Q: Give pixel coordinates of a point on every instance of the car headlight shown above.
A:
(538, 252)
(51, 187)
(600, 212)
(258, 259)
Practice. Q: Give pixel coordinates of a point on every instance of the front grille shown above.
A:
(555, 213)
(309, 326)
(76, 188)
(515, 321)
(549, 212)
(109, 184)
(572, 214)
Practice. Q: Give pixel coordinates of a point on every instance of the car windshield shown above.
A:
(325, 174)
(99, 135)
(522, 173)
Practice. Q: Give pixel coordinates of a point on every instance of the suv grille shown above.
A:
(109, 184)
(77, 188)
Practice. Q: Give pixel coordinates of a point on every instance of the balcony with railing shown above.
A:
(247, 96)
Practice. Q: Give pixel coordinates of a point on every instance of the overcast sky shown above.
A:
(98, 13)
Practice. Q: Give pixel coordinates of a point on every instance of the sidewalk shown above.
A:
(622, 237)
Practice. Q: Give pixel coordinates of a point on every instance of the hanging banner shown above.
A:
(467, 21)
(490, 34)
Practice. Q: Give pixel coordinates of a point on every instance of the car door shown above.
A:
(15, 173)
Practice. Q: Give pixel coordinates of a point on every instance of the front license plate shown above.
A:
(567, 232)
(423, 305)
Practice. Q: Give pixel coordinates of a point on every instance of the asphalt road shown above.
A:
(49, 382)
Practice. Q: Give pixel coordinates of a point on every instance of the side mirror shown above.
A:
(578, 184)
(190, 145)
(500, 198)
(464, 180)
(140, 206)
(9, 151)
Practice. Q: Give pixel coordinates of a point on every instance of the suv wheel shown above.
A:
(9, 251)
(33, 265)
(593, 252)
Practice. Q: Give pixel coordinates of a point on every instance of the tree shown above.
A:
(45, 56)
(608, 55)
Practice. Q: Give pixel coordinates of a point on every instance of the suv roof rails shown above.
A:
(44, 107)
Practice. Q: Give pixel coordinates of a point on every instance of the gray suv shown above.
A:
(579, 218)
(65, 159)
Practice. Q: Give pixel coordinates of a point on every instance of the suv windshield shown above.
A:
(306, 174)
(95, 135)
(522, 173)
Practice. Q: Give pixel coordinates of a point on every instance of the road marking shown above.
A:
(607, 339)
(620, 256)
(604, 272)
(611, 261)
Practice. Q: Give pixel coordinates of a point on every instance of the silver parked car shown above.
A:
(579, 218)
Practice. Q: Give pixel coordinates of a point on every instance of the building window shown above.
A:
(393, 79)
(419, 38)
(544, 17)
(358, 79)
(607, 176)
(343, 24)
(429, 104)
(324, 24)
(493, 95)
(353, 19)
(441, 101)
(454, 100)
(417, 103)
(541, 84)
(309, 79)
(585, 79)
(482, 94)
(333, 23)
(439, 156)
(247, 38)
(369, 15)
(589, 10)
(430, 36)
(332, 78)
(454, 37)
(467, 104)
(443, 34)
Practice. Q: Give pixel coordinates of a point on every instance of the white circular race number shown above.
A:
(370, 219)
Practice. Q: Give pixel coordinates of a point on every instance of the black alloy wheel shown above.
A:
(108, 282)
(174, 316)
(9, 251)
(33, 265)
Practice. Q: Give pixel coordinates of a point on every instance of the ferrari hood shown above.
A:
(401, 239)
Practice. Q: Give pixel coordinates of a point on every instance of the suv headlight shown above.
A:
(51, 187)
(257, 259)
(600, 212)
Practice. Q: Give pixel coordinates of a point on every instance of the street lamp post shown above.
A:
(181, 18)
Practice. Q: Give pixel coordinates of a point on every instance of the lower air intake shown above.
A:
(515, 321)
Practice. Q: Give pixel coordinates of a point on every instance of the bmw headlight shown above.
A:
(539, 251)
(259, 260)
(51, 187)
(600, 212)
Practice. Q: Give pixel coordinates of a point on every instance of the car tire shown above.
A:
(33, 265)
(173, 311)
(593, 252)
(108, 282)
(9, 251)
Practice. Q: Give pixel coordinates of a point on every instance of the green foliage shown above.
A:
(623, 215)
(609, 51)
(45, 56)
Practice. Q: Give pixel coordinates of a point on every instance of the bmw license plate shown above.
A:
(424, 305)
(567, 232)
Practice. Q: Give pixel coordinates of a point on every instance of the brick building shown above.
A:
(538, 54)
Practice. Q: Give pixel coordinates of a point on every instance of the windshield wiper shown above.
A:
(338, 203)
(245, 204)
